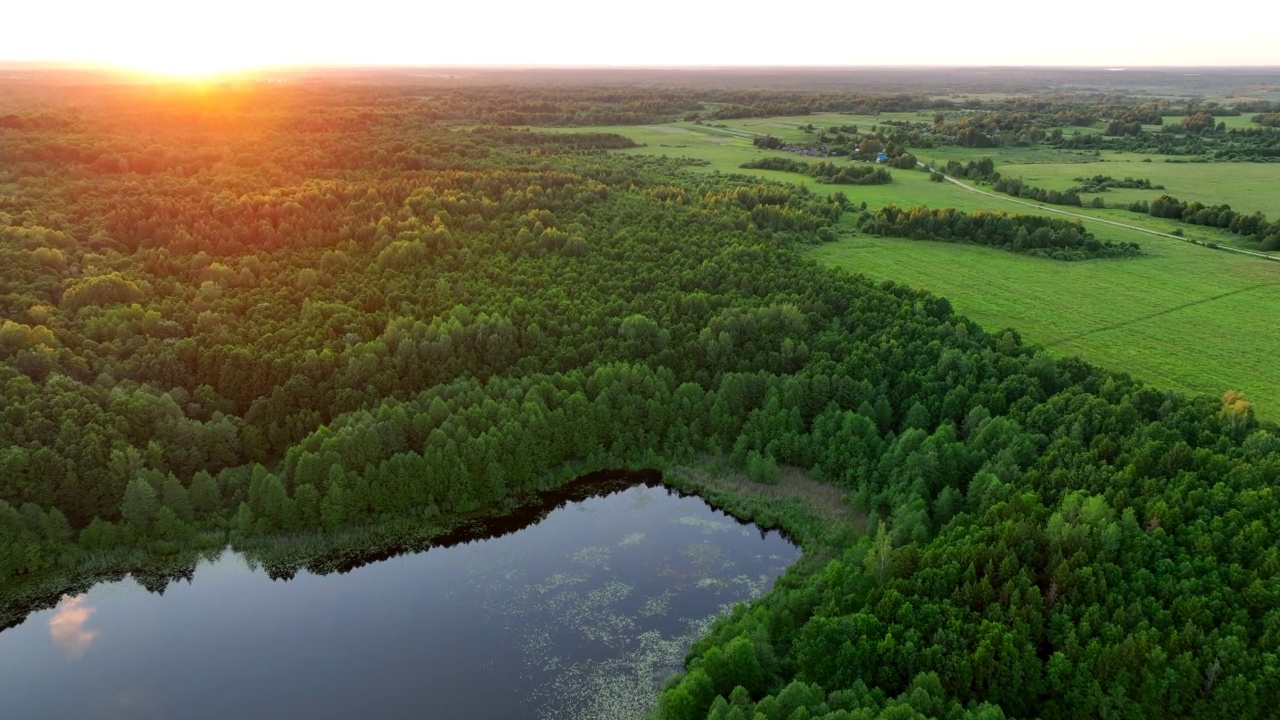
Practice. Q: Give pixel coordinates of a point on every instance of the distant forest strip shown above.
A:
(1103, 183)
(1019, 189)
(1271, 119)
(826, 172)
(984, 171)
(1236, 145)
(325, 314)
(1037, 235)
(1197, 138)
(1252, 226)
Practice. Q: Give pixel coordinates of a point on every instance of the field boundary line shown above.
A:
(1159, 313)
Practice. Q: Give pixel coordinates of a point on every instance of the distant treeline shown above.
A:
(768, 104)
(1253, 226)
(983, 170)
(1236, 145)
(561, 141)
(1103, 183)
(778, 163)
(825, 172)
(1031, 234)
(851, 174)
(1017, 188)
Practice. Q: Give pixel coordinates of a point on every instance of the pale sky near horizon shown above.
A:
(190, 37)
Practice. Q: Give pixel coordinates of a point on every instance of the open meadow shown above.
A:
(725, 151)
(1183, 317)
(1245, 186)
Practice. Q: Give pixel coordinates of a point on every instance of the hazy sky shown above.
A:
(188, 36)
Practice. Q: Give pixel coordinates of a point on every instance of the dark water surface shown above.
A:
(581, 615)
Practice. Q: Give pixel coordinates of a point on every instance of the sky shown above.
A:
(195, 37)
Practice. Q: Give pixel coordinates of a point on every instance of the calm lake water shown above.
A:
(581, 615)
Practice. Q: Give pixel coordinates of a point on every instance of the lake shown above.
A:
(579, 613)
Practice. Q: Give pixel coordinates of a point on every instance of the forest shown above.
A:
(261, 315)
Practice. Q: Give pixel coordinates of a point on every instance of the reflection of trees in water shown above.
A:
(322, 554)
(48, 591)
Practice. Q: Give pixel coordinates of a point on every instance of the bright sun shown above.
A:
(189, 65)
(195, 40)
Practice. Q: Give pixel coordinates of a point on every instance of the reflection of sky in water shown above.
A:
(581, 616)
(67, 626)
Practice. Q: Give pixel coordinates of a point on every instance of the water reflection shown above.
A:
(67, 626)
(579, 608)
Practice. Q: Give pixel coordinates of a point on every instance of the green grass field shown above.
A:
(725, 150)
(1184, 317)
(1247, 187)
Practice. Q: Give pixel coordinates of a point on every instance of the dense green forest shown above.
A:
(274, 314)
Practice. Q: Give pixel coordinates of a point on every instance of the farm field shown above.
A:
(1245, 186)
(1134, 315)
(1184, 318)
(725, 150)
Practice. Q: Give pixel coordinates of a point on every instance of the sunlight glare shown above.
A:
(184, 40)
(202, 39)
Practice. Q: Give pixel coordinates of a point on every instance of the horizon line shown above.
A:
(1116, 67)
